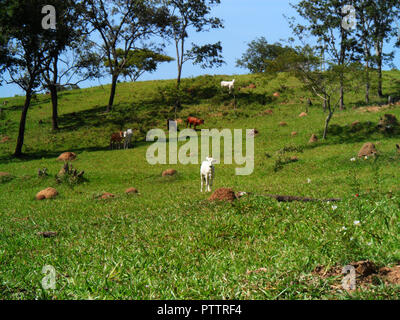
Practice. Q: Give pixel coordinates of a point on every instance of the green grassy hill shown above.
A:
(169, 242)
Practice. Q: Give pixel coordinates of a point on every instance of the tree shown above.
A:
(383, 13)
(304, 63)
(139, 61)
(259, 53)
(69, 39)
(324, 20)
(28, 49)
(184, 16)
(120, 25)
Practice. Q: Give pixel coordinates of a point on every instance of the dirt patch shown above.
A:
(131, 191)
(4, 139)
(67, 156)
(283, 124)
(48, 193)
(313, 139)
(260, 270)
(372, 109)
(294, 133)
(5, 177)
(47, 234)
(223, 194)
(303, 114)
(107, 195)
(355, 123)
(5, 174)
(169, 172)
(367, 150)
(267, 112)
(366, 273)
(276, 94)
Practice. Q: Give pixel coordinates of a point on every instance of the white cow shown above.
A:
(207, 173)
(128, 138)
(228, 84)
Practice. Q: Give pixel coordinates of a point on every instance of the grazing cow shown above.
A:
(116, 140)
(228, 84)
(195, 121)
(207, 173)
(128, 138)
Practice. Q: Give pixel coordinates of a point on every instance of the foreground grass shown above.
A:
(169, 242)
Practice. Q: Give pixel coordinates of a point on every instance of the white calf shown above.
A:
(128, 138)
(207, 172)
(228, 84)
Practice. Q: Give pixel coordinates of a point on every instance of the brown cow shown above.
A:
(195, 121)
(116, 139)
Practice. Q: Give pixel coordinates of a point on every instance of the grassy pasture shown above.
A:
(169, 242)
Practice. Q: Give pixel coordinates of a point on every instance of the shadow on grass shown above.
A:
(348, 134)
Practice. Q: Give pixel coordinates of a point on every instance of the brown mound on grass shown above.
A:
(294, 159)
(4, 139)
(276, 94)
(48, 193)
(107, 195)
(294, 133)
(223, 194)
(251, 86)
(131, 191)
(355, 123)
(67, 156)
(303, 114)
(368, 149)
(313, 138)
(283, 124)
(5, 174)
(391, 275)
(169, 172)
(268, 111)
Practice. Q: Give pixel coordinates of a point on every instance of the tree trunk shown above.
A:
(380, 91)
(112, 94)
(378, 48)
(178, 105)
(54, 102)
(367, 86)
(54, 94)
(328, 118)
(341, 94)
(21, 133)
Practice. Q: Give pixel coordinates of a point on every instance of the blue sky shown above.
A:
(244, 21)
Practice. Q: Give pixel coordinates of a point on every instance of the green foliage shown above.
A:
(137, 62)
(259, 54)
